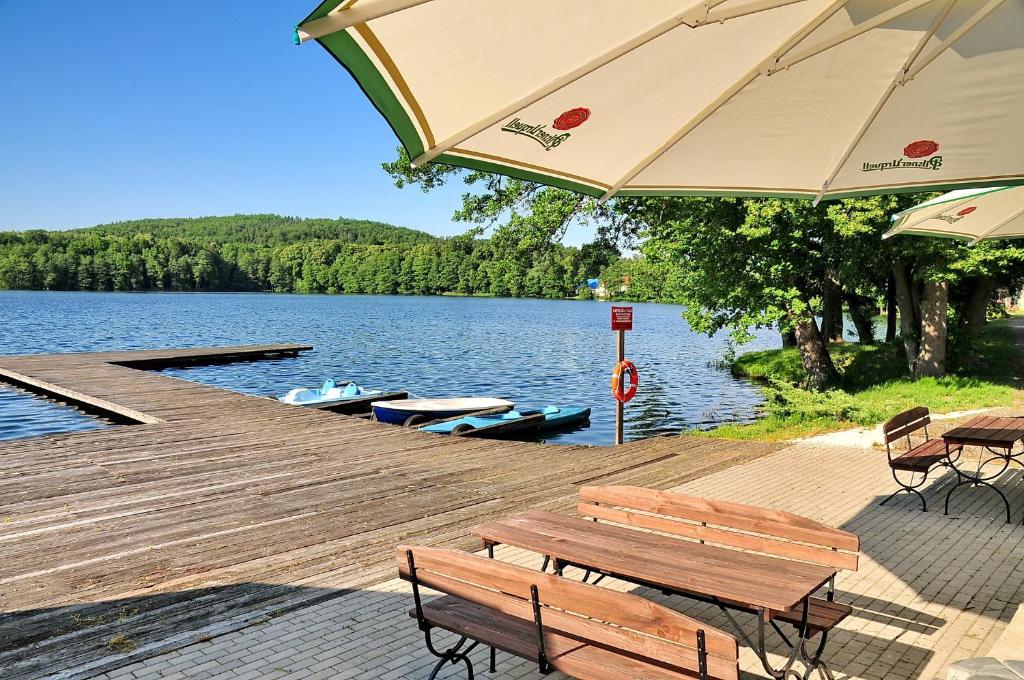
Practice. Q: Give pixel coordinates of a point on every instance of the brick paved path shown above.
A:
(931, 589)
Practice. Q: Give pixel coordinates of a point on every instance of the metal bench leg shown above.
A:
(493, 668)
(813, 661)
(762, 652)
(453, 655)
(909, 488)
(759, 647)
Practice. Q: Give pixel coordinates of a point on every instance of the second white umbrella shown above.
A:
(973, 214)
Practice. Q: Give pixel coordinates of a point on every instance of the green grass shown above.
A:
(873, 387)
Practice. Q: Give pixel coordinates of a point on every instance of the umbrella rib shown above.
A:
(551, 87)
(999, 226)
(940, 17)
(973, 21)
(698, 13)
(352, 15)
(724, 97)
(851, 33)
(740, 11)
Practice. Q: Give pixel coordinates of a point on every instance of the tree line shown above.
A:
(272, 253)
(745, 263)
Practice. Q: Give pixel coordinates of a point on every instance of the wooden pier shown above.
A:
(216, 509)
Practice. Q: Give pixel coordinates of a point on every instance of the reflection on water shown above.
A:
(535, 352)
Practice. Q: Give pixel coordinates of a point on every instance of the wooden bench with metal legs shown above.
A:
(581, 630)
(916, 460)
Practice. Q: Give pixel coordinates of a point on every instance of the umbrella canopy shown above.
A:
(802, 98)
(975, 214)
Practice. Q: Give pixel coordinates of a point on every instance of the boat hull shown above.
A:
(516, 422)
(399, 411)
(566, 417)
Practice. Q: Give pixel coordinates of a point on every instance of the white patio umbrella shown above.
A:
(975, 214)
(806, 98)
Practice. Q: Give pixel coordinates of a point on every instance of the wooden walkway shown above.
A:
(221, 509)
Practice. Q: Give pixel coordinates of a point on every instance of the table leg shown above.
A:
(977, 479)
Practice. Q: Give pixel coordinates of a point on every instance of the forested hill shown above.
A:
(268, 230)
(282, 254)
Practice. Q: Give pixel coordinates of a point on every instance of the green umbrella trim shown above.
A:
(519, 173)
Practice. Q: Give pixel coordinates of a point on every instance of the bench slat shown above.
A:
(923, 457)
(821, 615)
(484, 581)
(763, 544)
(776, 523)
(906, 423)
(671, 654)
(565, 653)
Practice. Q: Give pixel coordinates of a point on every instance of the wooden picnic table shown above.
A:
(768, 586)
(996, 434)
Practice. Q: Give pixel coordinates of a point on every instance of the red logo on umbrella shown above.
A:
(571, 118)
(920, 148)
(966, 211)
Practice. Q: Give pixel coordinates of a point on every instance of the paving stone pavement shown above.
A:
(931, 589)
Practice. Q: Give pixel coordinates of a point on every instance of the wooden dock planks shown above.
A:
(222, 508)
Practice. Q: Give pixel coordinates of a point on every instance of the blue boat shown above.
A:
(413, 411)
(514, 422)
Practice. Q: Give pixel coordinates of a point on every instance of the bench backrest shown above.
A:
(620, 622)
(723, 523)
(906, 423)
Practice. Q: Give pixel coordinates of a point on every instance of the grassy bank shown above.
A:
(873, 387)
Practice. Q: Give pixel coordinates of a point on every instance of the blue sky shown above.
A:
(117, 110)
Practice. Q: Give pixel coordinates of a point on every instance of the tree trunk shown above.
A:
(832, 310)
(977, 303)
(934, 322)
(909, 328)
(890, 311)
(861, 312)
(813, 352)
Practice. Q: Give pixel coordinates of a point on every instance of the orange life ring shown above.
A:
(623, 368)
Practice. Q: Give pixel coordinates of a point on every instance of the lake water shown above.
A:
(534, 352)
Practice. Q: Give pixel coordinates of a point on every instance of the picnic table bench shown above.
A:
(584, 631)
(917, 459)
(739, 557)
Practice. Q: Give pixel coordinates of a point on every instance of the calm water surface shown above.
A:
(534, 352)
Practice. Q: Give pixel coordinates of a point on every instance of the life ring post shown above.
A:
(622, 321)
(619, 404)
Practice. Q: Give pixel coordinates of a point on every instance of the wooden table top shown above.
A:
(747, 579)
(994, 431)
